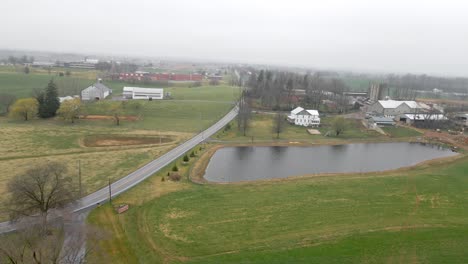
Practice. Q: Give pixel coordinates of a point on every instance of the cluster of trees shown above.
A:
(6, 100)
(279, 89)
(20, 60)
(48, 102)
(45, 104)
(406, 85)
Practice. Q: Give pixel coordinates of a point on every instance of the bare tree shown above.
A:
(339, 125)
(278, 125)
(39, 190)
(7, 100)
(66, 243)
(243, 117)
(116, 111)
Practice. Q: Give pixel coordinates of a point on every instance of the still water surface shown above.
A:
(233, 164)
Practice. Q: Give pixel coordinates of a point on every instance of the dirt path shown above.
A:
(460, 141)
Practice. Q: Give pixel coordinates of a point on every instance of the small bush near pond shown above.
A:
(175, 177)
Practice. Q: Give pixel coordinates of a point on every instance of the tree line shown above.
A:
(281, 90)
(19, 60)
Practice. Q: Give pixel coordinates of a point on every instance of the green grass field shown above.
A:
(27, 143)
(418, 215)
(261, 129)
(400, 131)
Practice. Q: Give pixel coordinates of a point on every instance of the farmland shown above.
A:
(410, 215)
(105, 151)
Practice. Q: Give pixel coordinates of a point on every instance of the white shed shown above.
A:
(143, 93)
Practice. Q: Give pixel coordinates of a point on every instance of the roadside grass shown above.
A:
(25, 144)
(413, 215)
(399, 131)
(29, 143)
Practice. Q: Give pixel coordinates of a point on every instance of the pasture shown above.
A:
(124, 148)
(416, 215)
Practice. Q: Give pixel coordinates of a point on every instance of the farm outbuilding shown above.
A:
(380, 121)
(461, 119)
(97, 91)
(143, 93)
(420, 118)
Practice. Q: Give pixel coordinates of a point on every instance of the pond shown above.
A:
(234, 164)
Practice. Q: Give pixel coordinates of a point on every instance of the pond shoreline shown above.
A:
(198, 171)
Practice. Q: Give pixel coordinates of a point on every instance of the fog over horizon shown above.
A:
(376, 36)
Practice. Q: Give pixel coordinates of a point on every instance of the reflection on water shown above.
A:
(232, 164)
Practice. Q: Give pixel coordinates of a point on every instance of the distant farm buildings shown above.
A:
(392, 108)
(301, 117)
(461, 119)
(97, 91)
(142, 76)
(378, 91)
(411, 119)
(143, 93)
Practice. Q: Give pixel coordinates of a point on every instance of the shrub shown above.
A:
(192, 154)
(186, 158)
(175, 168)
(175, 177)
(163, 179)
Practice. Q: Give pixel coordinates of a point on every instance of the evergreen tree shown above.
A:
(48, 101)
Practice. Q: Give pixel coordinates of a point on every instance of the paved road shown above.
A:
(127, 182)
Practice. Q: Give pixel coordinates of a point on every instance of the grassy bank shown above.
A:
(419, 215)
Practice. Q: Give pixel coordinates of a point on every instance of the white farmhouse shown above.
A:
(301, 117)
(97, 91)
(143, 93)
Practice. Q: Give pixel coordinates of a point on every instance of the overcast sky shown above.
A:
(390, 36)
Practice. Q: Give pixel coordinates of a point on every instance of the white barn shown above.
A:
(97, 91)
(143, 93)
(301, 117)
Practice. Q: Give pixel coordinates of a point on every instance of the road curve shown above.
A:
(142, 173)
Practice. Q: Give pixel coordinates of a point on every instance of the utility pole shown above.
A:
(110, 192)
(79, 178)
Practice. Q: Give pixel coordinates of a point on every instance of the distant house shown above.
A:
(143, 93)
(392, 108)
(420, 118)
(68, 97)
(301, 117)
(97, 91)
